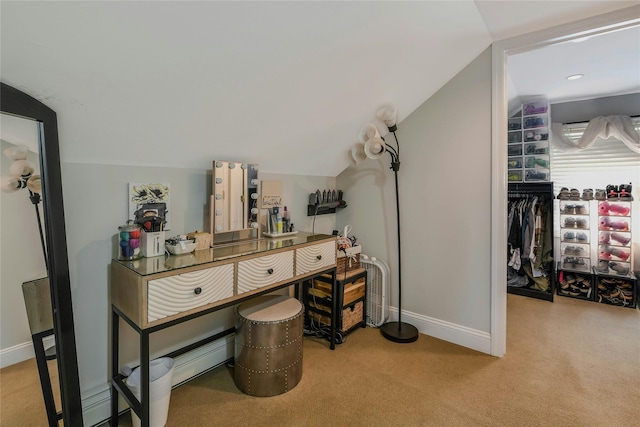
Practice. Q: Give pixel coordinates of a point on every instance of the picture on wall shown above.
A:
(149, 205)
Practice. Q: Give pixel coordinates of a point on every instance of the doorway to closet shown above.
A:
(533, 44)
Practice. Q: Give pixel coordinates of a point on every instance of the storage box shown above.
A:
(351, 316)
(352, 291)
(350, 260)
(617, 291)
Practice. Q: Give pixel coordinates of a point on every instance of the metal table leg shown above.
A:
(45, 380)
(115, 351)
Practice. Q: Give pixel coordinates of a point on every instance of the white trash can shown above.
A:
(160, 375)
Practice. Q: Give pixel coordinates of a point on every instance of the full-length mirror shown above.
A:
(52, 250)
(234, 200)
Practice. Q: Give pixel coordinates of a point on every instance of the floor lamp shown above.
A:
(373, 146)
(22, 176)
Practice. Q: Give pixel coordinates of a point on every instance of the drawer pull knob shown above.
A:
(197, 291)
(319, 257)
(270, 271)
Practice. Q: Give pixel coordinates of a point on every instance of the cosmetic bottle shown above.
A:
(276, 212)
(286, 220)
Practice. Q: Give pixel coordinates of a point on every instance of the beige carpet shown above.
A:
(569, 363)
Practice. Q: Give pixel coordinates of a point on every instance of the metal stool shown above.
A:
(268, 345)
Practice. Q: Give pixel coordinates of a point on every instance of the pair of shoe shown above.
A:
(574, 263)
(575, 210)
(606, 208)
(534, 175)
(587, 194)
(575, 223)
(570, 236)
(606, 237)
(533, 149)
(574, 250)
(607, 224)
(621, 192)
(534, 122)
(601, 194)
(607, 251)
(566, 194)
(532, 162)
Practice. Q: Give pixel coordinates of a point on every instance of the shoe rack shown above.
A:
(574, 274)
(614, 238)
(574, 235)
(597, 263)
(528, 144)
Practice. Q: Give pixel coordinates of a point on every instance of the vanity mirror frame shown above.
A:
(248, 202)
(16, 103)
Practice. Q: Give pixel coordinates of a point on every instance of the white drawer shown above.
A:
(311, 258)
(265, 270)
(184, 292)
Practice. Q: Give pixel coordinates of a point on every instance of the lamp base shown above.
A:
(399, 332)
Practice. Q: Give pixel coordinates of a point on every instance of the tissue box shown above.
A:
(350, 260)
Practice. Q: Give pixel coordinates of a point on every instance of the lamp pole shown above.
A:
(399, 331)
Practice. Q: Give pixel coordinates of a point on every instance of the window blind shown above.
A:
(608, 162)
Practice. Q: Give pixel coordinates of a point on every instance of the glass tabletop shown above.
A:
(163, 263)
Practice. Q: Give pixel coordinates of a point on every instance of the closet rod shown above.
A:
(587, 121)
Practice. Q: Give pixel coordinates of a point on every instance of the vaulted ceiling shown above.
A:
(286, 84)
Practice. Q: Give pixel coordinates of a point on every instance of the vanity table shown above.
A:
(152, 294)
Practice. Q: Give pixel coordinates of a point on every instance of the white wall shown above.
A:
(445, 184)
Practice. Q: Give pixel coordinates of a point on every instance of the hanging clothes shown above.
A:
(530, 242)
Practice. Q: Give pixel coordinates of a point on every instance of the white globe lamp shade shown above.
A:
(357, 153)
(374, 148)
(368, 132)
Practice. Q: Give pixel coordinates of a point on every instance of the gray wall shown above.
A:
(585, 110)
(445, 184)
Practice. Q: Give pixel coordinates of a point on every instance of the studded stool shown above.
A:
(268, 345)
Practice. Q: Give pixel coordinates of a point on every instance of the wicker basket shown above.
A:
(351, 316)
(350, 260)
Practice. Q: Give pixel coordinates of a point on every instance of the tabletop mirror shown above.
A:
(235, 209)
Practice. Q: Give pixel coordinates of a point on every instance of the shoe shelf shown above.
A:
(616, 290)
(528, 144)
(576, 285)
(575, 236)
(614, 238)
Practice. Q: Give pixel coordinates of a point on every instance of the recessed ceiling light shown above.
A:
(575, 76)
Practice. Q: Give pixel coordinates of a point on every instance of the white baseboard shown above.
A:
(21, 352)
(96, 403)
(447, 331)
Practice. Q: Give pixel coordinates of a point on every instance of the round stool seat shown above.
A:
(268, 345)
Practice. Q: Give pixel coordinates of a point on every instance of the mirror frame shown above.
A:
(17, 103)
(249, 188)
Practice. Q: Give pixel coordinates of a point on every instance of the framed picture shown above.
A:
(149, 205)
